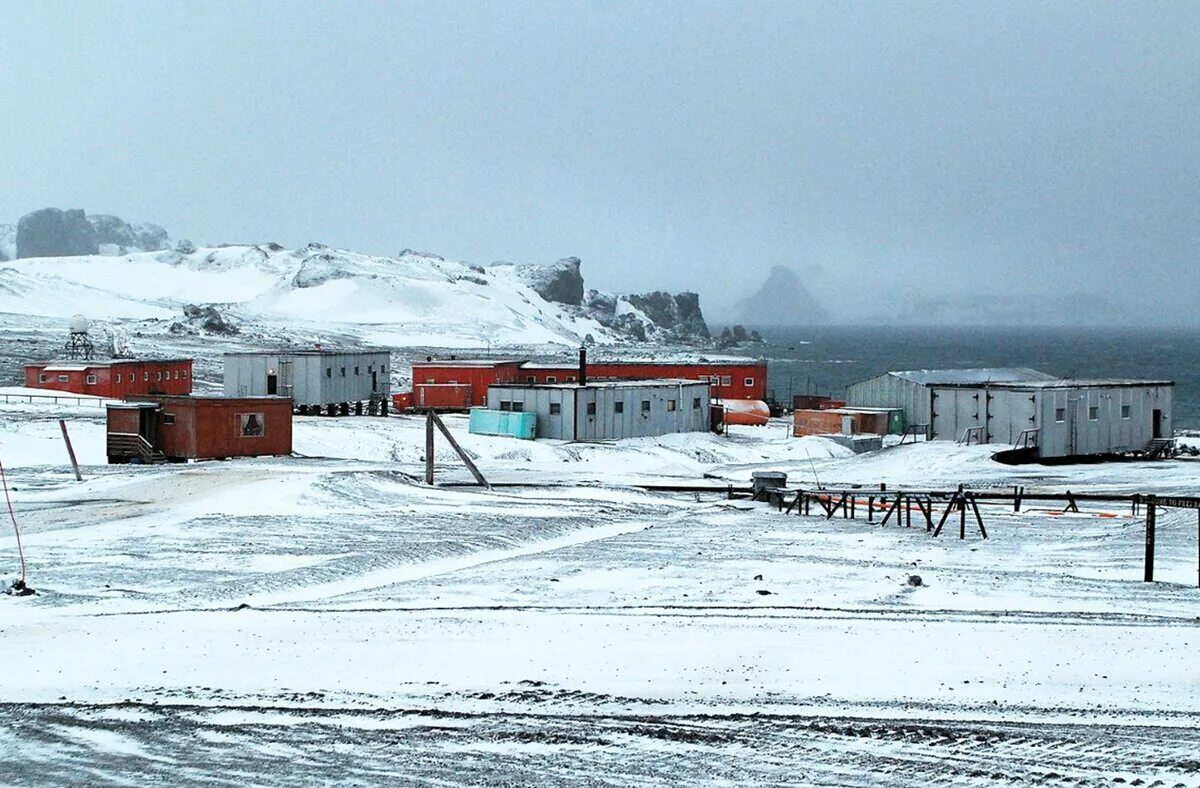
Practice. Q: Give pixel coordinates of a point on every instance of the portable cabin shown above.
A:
(472, 377)
(113, 378)
(178, 428)
(608, 410)
(317, 380)
(727, 379)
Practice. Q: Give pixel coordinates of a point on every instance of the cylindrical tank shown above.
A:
(745, 411)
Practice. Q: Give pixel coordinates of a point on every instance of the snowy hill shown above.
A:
(412, 299)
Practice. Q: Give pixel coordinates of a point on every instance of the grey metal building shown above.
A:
(910, 389)
(1052, 417)
(332, 381)
(608, 410)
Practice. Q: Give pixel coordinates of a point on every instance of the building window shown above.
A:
(670, 405)
(343, 372)
(185, 374)
(118, 377)
(1125, 411)
(570, 378)
(518, 406)
(356, 370)
(145, 377)
(251, 425)
(748, 381)
(695, 403)
(1060, 414)
(726, 380)
(64, 378)
(1093, 413)
(618, 407)
(168, 418)
(555, 408)
(42, 378)
(591, 409)
(90, 380)
(383, 367)
(159, 376)
(531, 380)
(177, 374)
(505, 404)
(645, 406)
(551, 379)
(329, 372)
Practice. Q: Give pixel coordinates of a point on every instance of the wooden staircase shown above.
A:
(1159, 448)
(127, 445)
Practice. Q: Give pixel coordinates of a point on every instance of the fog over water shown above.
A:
(1007, 162)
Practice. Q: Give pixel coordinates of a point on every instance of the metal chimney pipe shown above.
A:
(583, 366)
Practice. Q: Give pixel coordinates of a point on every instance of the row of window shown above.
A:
(131, 377)
(1060, 414)
(357, 371)
(618, 406)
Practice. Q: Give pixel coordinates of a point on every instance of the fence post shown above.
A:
(1150, 517)
(70, 450)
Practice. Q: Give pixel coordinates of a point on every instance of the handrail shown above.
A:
(1028, 439)
(968, 432)
(29, 398)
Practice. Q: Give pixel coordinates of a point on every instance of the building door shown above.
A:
(1156, 415)
(272, 384)
(147, 422)
(374, 380)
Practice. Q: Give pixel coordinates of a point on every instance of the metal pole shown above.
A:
(70, 450)
(429, 447)
(1150, 517)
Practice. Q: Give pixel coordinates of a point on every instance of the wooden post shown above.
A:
(870, 508)
(978, 517)
(1149, 568)
(462, 454)
(70, 450)
(429, 447)
(907, 512)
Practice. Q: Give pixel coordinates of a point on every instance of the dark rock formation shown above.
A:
(51, 232)
(151, 238)
(8, 242)
(112, 230)
(781, 300)
(560, 282)
(204, 318)
(677, 313)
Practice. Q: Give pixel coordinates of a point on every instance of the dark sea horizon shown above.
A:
(826, 359)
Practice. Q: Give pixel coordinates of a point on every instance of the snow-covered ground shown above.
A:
(327, 618)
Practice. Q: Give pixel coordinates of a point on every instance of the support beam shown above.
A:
(1148, 576)
(462, 454)
(429, 447)
(70, 450)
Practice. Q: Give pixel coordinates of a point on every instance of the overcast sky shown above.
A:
(960, 147)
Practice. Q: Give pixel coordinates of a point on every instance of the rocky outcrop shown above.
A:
(125, 237)
(8, 242)
(319, 266)
(51, 232)
(560, 281)
(782, 300)
(204, 318)
(676, 313)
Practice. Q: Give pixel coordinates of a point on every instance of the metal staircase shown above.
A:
(1159, 448)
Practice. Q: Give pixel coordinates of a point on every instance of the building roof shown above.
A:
(572, 364)
(467, 362)
(95, 363)
(1066, 383)
(325, 351)
(605, 384)
(948, 377)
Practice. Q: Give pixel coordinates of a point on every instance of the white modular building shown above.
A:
(1023, 408)
(608, 410)
(333, 381)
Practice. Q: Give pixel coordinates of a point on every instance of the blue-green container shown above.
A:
(516, 424)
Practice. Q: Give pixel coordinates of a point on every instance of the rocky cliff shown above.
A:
(51, 232)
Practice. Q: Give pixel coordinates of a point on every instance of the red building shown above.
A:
(475, 374)
(180, 428)
(460, 384)
(113, 379)
(727, 379)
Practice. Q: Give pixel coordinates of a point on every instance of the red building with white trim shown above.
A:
(113, 379)
(463, 383)
(727, 379)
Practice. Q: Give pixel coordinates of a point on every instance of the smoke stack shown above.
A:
(583, 366)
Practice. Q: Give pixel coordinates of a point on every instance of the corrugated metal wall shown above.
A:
(573, 421)
(310, 378)
(889, 391)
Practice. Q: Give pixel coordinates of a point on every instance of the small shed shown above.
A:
(179, 428)
(317, 381)
(608, 410)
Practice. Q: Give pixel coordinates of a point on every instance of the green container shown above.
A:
(510, 424)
